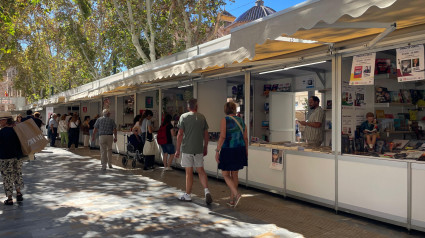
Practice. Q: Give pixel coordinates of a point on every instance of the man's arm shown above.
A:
(94, 134)
(179, 142)
(115, 135)
(206, 138)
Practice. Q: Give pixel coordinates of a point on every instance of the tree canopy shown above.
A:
(62, 44)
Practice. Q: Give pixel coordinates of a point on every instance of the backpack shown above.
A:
(161, 138)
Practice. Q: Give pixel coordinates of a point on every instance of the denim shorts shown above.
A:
(168, 148)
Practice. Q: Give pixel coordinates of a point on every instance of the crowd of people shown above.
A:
(187, 139)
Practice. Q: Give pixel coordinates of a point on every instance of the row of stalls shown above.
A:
(348, 53)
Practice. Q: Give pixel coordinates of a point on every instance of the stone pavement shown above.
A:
(67, 195)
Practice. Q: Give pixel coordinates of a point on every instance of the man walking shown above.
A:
(107, 134)
(53, 129)
(193, 138)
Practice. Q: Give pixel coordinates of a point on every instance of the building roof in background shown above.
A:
(255, 12)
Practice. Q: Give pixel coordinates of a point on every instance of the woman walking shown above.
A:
(232, 152)
(147, 129)
(86, 130)
(74, 131)
(168, 147)
(63, 131)
(10, 162)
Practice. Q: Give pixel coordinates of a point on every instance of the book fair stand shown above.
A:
(358, 58)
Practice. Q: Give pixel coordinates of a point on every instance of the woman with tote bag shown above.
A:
(148, 143)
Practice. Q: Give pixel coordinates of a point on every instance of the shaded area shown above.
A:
(67, 195)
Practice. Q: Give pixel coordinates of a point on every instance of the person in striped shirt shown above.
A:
(315, 125)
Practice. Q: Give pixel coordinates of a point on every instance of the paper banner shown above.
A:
(363, 69)
(410, 63)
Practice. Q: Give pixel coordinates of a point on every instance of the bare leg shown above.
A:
(373, 139)
(202, 176)
(189, 179)
(230, 183)
(164, 159)
(170, 160)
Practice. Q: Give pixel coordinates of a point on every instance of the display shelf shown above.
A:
(324, 90)
(394, 104)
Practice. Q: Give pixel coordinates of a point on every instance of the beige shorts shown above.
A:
(192, 160)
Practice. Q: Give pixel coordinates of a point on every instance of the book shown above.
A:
(266, 107)
(284, 87)
(396, 97)
(382, 66)
(407, 97)
(266, 90)
(412, 145)
(413, 115)
(382, 95)
(329, 104)
(380, 114)
(274, 87)
(400, 144)
(371, 131)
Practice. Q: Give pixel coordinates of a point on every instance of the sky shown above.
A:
(240, 6)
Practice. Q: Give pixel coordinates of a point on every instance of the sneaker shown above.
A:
(169, 169)
(185, 197)
(208, 198)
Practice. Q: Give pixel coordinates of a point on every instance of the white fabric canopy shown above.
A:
(302, 16)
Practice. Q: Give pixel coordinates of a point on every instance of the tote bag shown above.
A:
(149, 147)
(30, 136)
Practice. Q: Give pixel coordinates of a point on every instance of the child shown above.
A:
(370, 129)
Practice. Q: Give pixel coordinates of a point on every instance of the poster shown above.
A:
(49, 111)
(359, 100)
(149, 102)
(347, 124)
(348, 95)
(277, 159)
(304, 83)
(410, 63)
(363, 69)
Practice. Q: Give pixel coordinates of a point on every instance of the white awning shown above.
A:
(329, 21)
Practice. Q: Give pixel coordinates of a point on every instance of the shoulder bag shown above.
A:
(149, 147)
(239, 125)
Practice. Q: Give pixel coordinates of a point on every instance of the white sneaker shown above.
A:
(185, 197)
(168, 168)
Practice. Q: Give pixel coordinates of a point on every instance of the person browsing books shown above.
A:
(370, 130)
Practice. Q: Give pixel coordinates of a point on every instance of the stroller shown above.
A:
(131, 154)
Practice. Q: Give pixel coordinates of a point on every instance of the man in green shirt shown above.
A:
(192, 140)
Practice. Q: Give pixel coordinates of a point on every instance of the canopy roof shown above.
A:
(318, 23)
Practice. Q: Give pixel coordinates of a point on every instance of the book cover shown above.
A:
(265, 124)
(329, 104)
(416, 95)
(396, 97)
(400, 144)
(382, 66)
(412, 145)
(275, 87)
(284, 87)
(413, 115)
(266, 107)
(382, 95)
(380, 114)
(405, 93)
(266, 90)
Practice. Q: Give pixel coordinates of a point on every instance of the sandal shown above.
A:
(8, 202)
(231, 203)
(19, 197)
(237, 199)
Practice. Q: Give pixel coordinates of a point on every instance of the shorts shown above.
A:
(168, 149)
(192, 160)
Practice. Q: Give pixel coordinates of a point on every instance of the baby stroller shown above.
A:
(131, 154)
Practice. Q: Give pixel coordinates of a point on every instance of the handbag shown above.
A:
(30, 136)
(149, 147)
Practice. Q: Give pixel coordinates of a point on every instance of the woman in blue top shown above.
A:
(232, 150)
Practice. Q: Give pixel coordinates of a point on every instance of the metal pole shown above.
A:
(195, 90)
(247, 112)
(160, 106)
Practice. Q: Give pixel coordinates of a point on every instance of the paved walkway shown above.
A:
(67, 195)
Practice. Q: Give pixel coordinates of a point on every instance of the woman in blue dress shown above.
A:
(232, 150)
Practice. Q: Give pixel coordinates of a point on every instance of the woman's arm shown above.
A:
(221, 139)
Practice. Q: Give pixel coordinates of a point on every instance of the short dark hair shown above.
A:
(191, 103)
(148, 113)
(369, 114)
(29, 112)
(316, 99)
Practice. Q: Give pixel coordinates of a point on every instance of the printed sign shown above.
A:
(410, 63)
(277, 159)
(363, 69)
